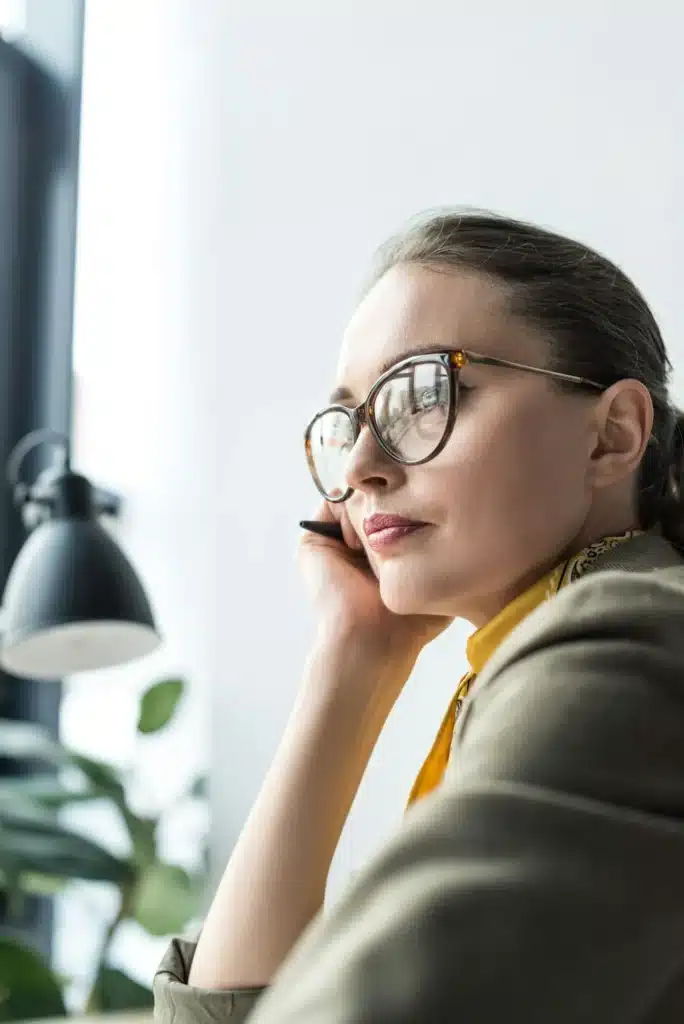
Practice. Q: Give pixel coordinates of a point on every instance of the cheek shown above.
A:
(515, 470)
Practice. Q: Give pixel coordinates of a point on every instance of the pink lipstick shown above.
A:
(384, 530)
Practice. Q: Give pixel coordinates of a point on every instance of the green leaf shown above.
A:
(16, 808)
(143, 833)
(104, 779)
(166, 899)
(48, 790)
(25, 741)
(32, 885)
(38, 845)
(114, 990)
(28, 989)
(15, 895)
(158, 705)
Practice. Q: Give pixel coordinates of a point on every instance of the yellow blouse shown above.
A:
(483, 642)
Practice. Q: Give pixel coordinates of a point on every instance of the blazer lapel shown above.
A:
(648, 552)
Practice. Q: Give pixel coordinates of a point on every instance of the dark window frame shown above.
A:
(40, 115)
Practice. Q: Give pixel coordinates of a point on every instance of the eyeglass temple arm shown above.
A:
(493, 361)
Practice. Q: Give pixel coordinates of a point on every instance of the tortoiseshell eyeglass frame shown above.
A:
(452, 362)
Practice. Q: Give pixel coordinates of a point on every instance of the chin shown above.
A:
(410, 594)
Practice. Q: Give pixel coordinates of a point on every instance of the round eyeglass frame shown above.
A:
(452, 361)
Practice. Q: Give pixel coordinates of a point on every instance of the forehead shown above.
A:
(414, 306)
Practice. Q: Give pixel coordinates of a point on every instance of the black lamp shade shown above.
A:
(73, 603)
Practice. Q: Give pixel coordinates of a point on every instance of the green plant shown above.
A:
(39, 854)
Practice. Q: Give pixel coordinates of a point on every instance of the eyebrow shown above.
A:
(344, 394)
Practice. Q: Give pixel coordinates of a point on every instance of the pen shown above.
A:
(333, 530)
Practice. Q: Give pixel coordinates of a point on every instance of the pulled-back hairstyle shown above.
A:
(597, 324)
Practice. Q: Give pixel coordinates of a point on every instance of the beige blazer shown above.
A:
(544, 880)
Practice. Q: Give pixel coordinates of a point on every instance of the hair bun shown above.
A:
(672, 503)
(677, 449)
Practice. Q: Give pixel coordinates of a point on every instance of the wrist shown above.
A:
(350, 675)
(364, 647)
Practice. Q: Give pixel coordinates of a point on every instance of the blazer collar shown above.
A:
(648, 552)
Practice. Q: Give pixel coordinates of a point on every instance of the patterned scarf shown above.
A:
(482, 644)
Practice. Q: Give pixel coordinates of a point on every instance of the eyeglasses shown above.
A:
(410, 411)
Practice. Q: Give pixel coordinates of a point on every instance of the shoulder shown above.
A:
(611, 632)
(616, 604)
(588, 697)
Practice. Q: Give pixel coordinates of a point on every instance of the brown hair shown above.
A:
(597, 323)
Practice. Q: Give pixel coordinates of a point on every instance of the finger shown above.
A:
(323, 513)
(351, 537)
(336, 512)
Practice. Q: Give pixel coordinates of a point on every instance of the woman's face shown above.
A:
(510, 492)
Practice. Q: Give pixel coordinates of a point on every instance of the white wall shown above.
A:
(250, 157)
(308, 132)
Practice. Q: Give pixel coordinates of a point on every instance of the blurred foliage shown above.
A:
(27, 987)
(39, 855)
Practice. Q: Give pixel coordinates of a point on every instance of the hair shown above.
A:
(597, 324)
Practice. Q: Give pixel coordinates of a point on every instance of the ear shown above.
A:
(624, 421)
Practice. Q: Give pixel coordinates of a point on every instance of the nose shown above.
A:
(370, 467)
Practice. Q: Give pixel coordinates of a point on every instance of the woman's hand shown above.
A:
(275, 882)
(346, 596)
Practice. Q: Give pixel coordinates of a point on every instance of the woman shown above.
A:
(502, 448)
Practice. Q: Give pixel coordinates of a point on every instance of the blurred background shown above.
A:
(190, 194)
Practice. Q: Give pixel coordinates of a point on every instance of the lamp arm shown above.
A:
(35, 501)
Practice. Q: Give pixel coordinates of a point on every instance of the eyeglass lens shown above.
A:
(411, 412)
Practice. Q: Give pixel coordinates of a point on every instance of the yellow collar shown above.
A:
(482, 644)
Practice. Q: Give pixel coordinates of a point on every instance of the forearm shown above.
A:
(275, 881)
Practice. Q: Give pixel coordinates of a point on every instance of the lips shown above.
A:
(379, 521)
(385, 531)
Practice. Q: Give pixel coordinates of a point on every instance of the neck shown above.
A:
(487, 606)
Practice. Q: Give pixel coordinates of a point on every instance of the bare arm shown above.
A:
(275, 881)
